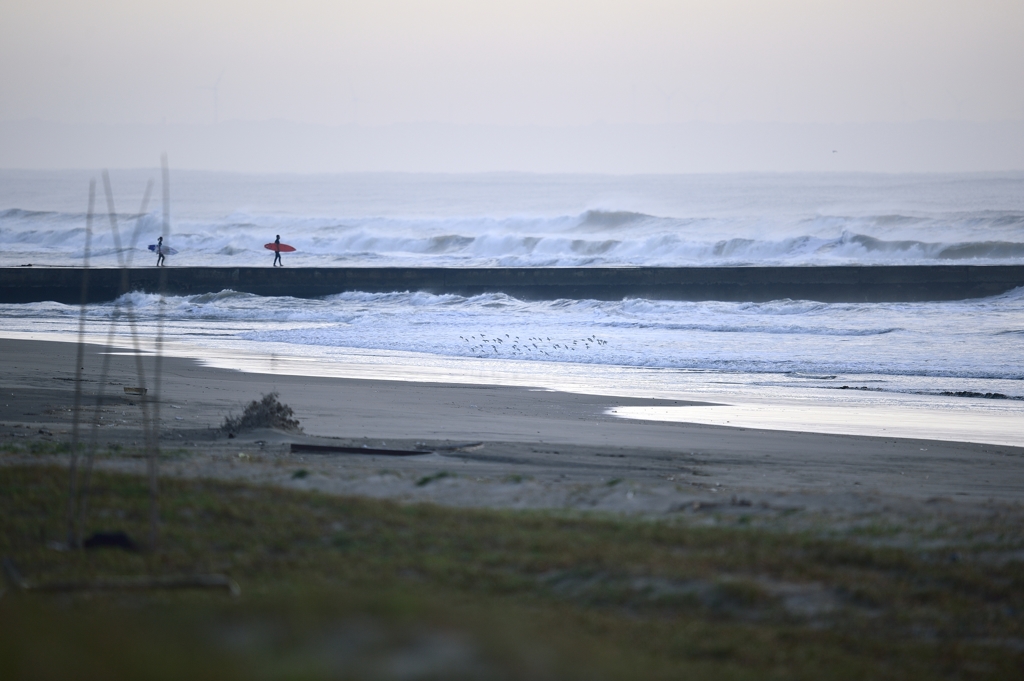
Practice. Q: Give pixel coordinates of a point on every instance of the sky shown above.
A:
(515, 63)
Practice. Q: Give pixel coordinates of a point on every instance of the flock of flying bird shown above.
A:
(517, 347)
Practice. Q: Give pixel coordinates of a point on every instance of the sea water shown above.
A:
(957, 357)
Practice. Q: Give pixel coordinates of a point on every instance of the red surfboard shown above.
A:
(285, 248)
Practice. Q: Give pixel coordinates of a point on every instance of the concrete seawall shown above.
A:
(827, 284)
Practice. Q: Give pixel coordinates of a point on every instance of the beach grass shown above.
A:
(359, 588)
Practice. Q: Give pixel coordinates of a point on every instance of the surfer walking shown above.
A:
(277, 251)
(160, 252)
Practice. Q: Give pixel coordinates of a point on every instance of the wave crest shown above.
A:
(590, 238)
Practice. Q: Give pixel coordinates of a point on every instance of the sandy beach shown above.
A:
(770, 545)
(496, 446)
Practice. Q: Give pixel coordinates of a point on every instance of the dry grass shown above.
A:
(361, 588)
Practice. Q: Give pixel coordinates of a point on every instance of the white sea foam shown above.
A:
(58, 239)
(938, 347)
(516, 220)
(539, 221)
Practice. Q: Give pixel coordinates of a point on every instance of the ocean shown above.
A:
(959, 360)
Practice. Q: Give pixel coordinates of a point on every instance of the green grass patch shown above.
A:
(364, 588)
(38, 447)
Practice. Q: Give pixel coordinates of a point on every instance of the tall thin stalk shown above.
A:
(79, 366)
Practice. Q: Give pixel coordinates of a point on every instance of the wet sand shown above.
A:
(530, 448)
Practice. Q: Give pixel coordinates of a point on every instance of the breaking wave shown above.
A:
(591, 238)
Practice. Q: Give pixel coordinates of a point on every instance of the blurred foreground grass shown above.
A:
(360, 588)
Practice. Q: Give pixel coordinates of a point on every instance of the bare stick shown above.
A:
(130, 309)
(148, 433)
(90, 452)
(154, 459)
(124, 261)
(79, 362)
(83, 506)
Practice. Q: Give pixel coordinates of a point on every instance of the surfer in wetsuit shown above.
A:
(277, 251)
(160, 252)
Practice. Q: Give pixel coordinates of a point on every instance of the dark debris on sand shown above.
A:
(265, 413)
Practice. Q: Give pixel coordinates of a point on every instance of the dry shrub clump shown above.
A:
(265, 413)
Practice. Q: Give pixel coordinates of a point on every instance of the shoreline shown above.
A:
(539, 449)
(723, 401)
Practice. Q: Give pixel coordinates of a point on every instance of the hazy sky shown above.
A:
(546, 62)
